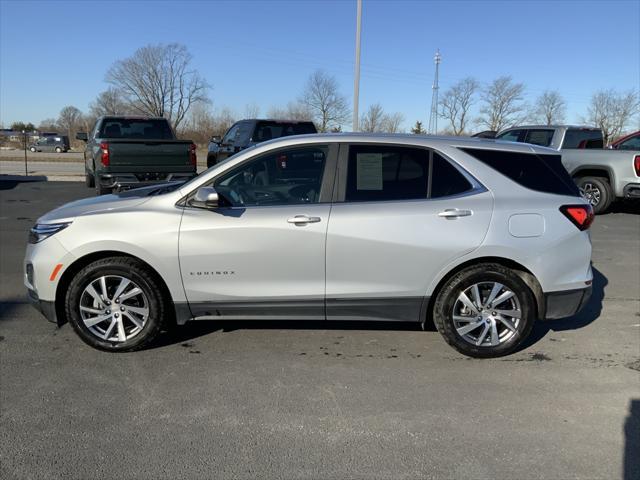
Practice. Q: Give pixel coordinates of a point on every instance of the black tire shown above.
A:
(443, 309)
(89, 179)
(597, 191)
(100, 190)
(133, 270)
(212, 159)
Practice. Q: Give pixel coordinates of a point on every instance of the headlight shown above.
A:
(45, 230)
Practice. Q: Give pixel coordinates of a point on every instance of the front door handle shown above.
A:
(303, 219)
(453, 213)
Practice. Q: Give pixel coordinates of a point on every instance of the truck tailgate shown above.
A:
(130, 155)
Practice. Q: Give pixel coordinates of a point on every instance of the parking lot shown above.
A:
(321, 399)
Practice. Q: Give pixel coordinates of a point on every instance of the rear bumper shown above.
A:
(48, 309)
(566, 303)
(126, 181)
(632, 190)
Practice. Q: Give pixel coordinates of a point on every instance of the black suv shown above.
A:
(246, 133)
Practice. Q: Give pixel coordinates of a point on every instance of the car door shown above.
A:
(402, 214)
(228, 142)
(261, 254)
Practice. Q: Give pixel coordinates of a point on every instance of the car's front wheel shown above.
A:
(212, 159)
(485, 311)
(33, 149)
(115, 304)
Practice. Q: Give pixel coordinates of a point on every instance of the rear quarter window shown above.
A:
(582, 138)
(542, 173)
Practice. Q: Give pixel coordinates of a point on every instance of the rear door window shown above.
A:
(542, 173)
(582, 138)
(540, 137)
(386, 173)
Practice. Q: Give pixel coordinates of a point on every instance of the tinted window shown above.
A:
(446, 179)
(511, 136)
(543, 173)
(282, 178)
(582, 138)
(379, 173)
(231, 135)
(540, 137)
(136, 128)
(268, 130)
(631, 144)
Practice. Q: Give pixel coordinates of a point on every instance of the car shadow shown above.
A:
(631, 460)
(625, 206)
(589, 313)
(191, 330)
(9, 182)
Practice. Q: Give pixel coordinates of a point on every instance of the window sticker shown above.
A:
(369, 167)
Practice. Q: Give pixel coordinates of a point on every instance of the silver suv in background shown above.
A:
(602, 175)
(483, 237)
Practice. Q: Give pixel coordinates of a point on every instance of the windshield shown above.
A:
(143, 128)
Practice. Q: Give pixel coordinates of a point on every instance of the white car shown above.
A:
(484, 237)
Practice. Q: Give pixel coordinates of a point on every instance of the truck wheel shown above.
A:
(100, 190)
(115, 304)
(89, 179)
(485, 311)
(596, 191)
(212, 159)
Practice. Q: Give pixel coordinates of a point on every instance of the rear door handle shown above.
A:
(453, 213)
(303, 219)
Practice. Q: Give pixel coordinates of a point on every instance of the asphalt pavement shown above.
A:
(320, 400)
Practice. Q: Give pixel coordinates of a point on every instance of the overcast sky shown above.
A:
(54, 54)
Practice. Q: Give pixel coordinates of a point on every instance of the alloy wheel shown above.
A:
(591, 193)
(487, 314)
(114, 308)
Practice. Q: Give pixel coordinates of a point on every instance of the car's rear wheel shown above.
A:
(115, 304)
(101, 190)
(596, 191)
(485, 311)
(58, 150)
(89, 179)
(33, 149)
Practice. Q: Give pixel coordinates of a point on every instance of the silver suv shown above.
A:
(483, 237)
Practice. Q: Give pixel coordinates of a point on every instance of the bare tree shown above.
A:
(293, 111)
(322, 96)
(392, 123)
(48, 125)
(503, 104)
(373, 119)
(456, 103)
(109, 102)
(251, 110)
(550, 108)
(612, 111)
(70, 120)
(158, 80)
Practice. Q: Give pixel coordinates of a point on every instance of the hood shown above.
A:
(105, 203)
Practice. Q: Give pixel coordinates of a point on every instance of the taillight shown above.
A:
(104, 159)
(636, 165)
(580, 215)
(193, 158)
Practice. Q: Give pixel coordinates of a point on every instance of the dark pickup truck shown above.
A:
(128, 152)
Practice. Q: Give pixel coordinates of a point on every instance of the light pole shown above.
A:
(26, 171)
(356, 76)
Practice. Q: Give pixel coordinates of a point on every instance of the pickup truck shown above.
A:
(129, 152)
(602, 175)
(246, 133)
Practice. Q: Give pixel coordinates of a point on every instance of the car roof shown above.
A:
(550, 127)
(410, 140)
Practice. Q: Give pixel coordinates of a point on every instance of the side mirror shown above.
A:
(205, 197)
(82, 136)
(216, 139)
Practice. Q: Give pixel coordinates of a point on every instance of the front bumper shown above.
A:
(125, 181)
(631, 190)
(565, 303)
(48, 309)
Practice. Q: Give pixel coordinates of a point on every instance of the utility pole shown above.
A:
(433, 116)
(356, 76)
(26, 170)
